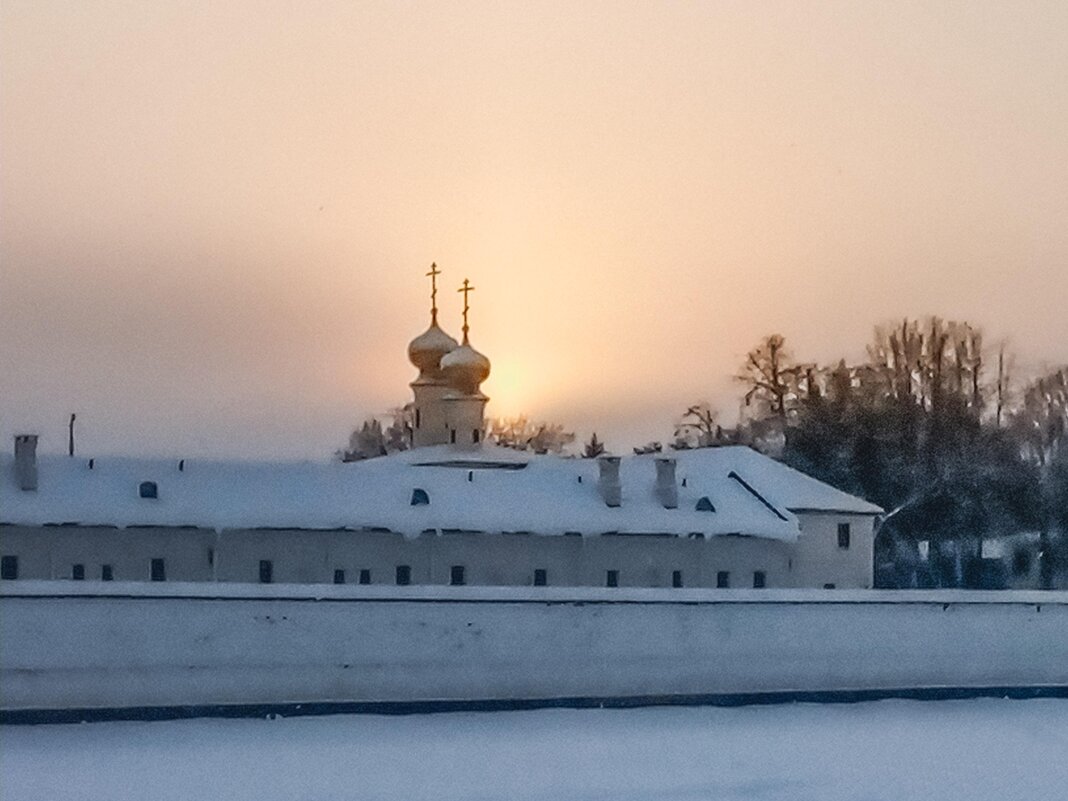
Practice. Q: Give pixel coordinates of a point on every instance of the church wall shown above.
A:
(433, 427)
(819, 560)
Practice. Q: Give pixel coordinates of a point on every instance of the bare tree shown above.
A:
(770, 376)
(519, 433)
(698, 427)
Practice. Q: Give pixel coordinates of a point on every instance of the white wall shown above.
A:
(818, 560)
(153, 645)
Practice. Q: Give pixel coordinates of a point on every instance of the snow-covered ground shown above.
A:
(967, 750)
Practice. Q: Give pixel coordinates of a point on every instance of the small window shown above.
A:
(760, 580)
(723, 579)
(77, 572)
(404, 575)
(456, 575)
(9, 567)
(476, 435)
(541, 577)
(611, 578)
(211, 557)
(705, 505)
(365, 576)
(148, 489)
(676, 578)
(158, 570)
(339, 576)
(828, 586)
(420, 497)
(418, 418)
(843, 535)
(266, 571)
(452, 436)
(106, 573)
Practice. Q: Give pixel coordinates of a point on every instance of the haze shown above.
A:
(216, 217)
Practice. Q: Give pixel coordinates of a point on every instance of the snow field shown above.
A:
(969, 750)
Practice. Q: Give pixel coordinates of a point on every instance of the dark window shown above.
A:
(9, 567)
(148, 489)
(159, 570)
(420, 497)
(452, 436)
(723, 579)
(475, 435)
(760, 580)
(676, 578)
(339, 576)
(77, 572)
(404, 575)
(541, 577)
(843, 535)
(705, 505)
(211, 557)
(828, 586)
(611, 578)
(418, 418)
(365, 576)
(106, 573)
(456, 575)
(266, 571)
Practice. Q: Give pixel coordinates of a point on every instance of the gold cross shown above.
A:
(466, 288)
(433, 275)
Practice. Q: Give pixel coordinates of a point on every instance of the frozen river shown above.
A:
(895, 749)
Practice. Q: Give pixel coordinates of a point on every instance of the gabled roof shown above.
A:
(491, 489)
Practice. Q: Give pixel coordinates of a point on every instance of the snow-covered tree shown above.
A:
(593, 448)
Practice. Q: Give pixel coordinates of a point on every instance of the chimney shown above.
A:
(608, 484)
(26, 461)
(667, 491)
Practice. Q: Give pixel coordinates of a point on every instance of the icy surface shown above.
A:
(949, 750)
(468, 490)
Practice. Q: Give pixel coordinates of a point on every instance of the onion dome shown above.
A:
(427, 350)
(465, 368)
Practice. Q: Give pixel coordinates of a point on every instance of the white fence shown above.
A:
(115, 646)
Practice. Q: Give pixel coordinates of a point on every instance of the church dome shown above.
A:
(427, 349)
(465, 368)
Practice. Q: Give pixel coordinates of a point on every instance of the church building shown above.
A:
(453, 509)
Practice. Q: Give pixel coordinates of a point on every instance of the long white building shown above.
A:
(452, 510)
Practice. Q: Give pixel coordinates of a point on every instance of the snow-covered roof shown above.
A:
(490, 489)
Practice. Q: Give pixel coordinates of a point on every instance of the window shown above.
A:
(452, 436)
(705, 505)
(77, 572)
(420, 497)
(106, 573)
(541, 577)
(418, 418)
(843, 535)
(365, 576)
(760, 580)
(404, 575)
(9, 567)
(148, 489)
(723, 579)
(266, 571)
(828, 586)
(676, 578)
(339, 576)
(159, 570)
(611, 578)
(211, 557)
(475, 435)
(456, 575)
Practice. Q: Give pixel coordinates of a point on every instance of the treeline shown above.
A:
(932, 426)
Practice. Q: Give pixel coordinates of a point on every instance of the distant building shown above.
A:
(453, 510)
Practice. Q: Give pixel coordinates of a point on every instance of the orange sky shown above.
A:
(215, 217)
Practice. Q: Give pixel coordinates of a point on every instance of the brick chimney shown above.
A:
(608, 484)
(666, 491)
(26, 461)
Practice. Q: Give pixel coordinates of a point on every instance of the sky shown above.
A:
(215, 218)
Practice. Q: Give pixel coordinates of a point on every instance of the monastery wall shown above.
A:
(71, 646)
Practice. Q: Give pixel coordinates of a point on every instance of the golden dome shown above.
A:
(465, 368)
(427, 350)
